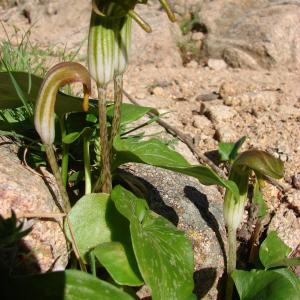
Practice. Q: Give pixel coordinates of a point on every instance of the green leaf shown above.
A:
(163, 253)
(273, 250)
(259, 201)
(9, 97)
(68, 285)
(74, 136)
(229, 151)
(71, 137)
(78, 124)
(156, 153)
(120, 262)
(95, 220)
(261, 162)
(280, 284)
(131, 112)
(286, 262)
(132, 207)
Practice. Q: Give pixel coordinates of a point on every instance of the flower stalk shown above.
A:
(65, 206)
(233, 216)
(87, 165)
(44, 120)
(109, 46)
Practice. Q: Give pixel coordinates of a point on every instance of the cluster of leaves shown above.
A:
(272, 280)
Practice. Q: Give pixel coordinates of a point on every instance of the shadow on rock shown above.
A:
(144, 189)
(204, 280)
(201, 202)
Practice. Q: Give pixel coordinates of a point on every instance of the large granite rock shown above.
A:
(253, 34)
(23, 191)
(197, 210)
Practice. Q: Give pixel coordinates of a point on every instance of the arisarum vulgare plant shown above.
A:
(263, 164)
(44, 120)
(44, 117)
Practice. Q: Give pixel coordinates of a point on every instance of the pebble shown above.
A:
(225, 133)
(216, 64)
(201, 121)
(219, 113)
(192, 64)
(52, 9)
(296, 182)
(158, 91)
(229, 89)
(198, 36)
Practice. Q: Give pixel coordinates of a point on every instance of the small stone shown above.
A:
(219, 113)
(140, 95)
(51, 9)
(158, 91)
(232, 101)
(197, 36)
(293, 199)
(192, 64)
(199, 44)
(225, 133)
(229, 89)
(216, 64)
(288, 110)
(201, 122)
(296, 182)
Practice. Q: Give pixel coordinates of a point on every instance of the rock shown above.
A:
(219, 113)
(216, 64)
(287, 225)
(253, 34)
(197, 210)
(225, 133)
(229, 89)
(200, 121)
(52, 8)
(253, 99)
(288, 110)
(197, 36)
(192, 64)
(25, 192)
(293, 198)
(296, 181)
(237, 58)
(158, 91)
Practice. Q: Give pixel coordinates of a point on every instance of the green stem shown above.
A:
(254, 241)
(87, 165)
(93, 264)
(104, 183)
(118, 95)
(231, 260)
(65, 154)
(65, 206)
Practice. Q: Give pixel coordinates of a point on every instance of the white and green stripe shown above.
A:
(60, 75)
(109, 46)
(123, 45)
